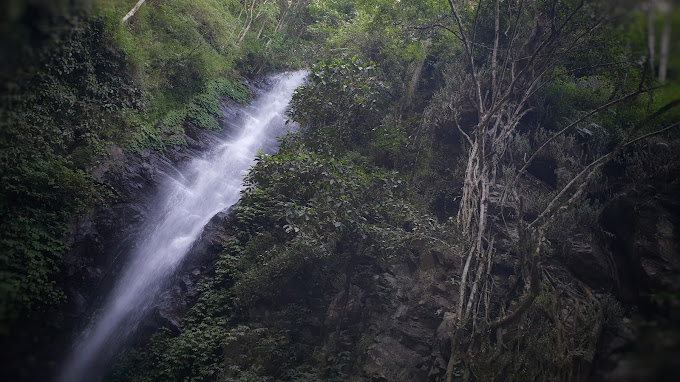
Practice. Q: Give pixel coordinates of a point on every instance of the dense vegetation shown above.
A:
(86, 82)
(499, 131)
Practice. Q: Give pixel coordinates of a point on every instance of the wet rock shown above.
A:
(428, 260)
(650, 353)
(171, 306)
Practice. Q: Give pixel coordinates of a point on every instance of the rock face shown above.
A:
(645, 229)
(183, 291)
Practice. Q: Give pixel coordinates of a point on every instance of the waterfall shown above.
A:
(185, 206)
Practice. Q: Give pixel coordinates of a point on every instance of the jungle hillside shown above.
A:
(471, 190)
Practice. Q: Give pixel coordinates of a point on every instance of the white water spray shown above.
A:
(187, 206)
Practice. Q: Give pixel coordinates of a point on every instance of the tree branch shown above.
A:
(652, 134)
(469, 52)
(132, 11)
(569, 126)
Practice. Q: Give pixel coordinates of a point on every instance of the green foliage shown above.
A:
(388, 144)
(559, 102)
(194, 355)
(343, 97)
(302, 217)
(177, 46)
(376, 30)
(183, 55)
(55, 122)
(36, 205)
(146, 137)
(75, 88)
(324, 209)
(203, 111)
(204, 108)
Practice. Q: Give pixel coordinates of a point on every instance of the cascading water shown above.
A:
(187, 206)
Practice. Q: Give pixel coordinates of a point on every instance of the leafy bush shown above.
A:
(205, 106)
(55, 122)
(344, 98)
(203, 111)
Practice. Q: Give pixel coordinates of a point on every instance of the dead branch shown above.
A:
(132, 11)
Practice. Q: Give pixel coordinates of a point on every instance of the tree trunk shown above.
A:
(245, 32)
(282, 20)
(416, 74)
(259, 32)
(249, 21)
(665, 44)
(651, 35)
(133, 11)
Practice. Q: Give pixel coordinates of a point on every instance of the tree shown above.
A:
(253, 11)
(507, 64)
(343, 98)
